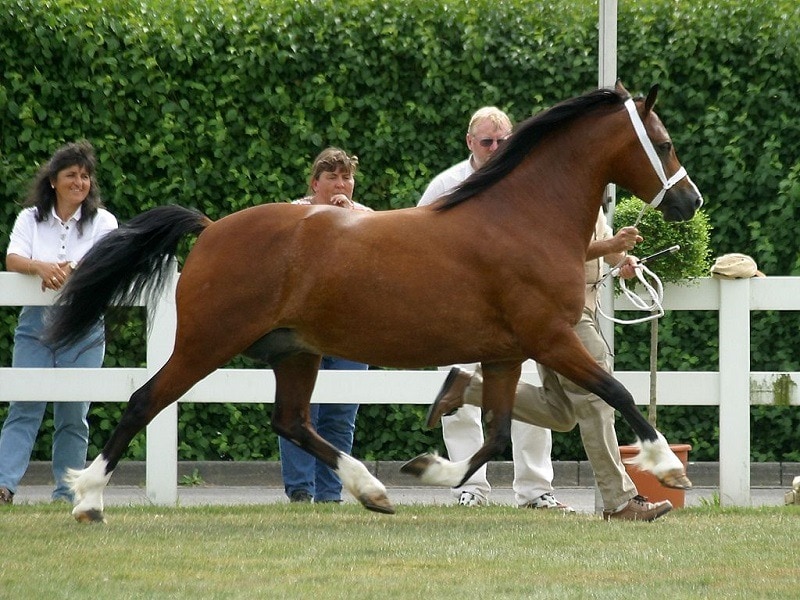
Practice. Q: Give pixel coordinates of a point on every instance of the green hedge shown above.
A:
(221, 105)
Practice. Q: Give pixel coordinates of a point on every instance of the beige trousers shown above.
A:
(559, 405)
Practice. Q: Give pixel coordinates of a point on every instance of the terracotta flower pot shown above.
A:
(647, 484)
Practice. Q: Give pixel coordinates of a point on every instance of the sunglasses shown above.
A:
(487, 142)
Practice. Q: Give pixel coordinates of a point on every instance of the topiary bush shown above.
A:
(692, 261)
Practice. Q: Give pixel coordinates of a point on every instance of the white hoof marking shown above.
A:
(87, 486)
(356, 479)
(443, 472)
(656, 457)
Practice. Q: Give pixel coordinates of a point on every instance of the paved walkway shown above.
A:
(583, 499)
(231, 483)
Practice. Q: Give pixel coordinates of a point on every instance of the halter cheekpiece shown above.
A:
(650, 150)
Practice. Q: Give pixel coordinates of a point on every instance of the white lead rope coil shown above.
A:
(653, 287)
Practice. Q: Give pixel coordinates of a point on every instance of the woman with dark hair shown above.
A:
(61, 220)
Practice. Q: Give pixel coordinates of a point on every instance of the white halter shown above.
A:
(653, 287)
(648, 148)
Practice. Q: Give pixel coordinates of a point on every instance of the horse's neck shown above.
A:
(569, 172)
(547, 204)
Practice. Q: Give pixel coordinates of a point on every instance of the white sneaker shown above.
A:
(470, 499)
(548, 501)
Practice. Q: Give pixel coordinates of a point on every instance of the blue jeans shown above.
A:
(71, 435)
(336, 424)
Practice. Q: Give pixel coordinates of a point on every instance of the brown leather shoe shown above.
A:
(639, 509)
(6, 497)
(450, 398)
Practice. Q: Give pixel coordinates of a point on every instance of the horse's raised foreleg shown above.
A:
(499, 388)
(571, 360)
(295, 377)
(655, 454)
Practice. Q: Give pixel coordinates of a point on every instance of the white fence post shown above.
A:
(734, 392)
(162, 432)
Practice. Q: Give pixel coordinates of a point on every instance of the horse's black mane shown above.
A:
(526, 135)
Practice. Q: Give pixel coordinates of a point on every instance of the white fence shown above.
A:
(733, 388)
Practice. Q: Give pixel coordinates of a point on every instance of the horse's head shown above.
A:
(665, 185)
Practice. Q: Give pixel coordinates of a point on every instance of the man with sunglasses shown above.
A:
(488, 129)
(463, 431)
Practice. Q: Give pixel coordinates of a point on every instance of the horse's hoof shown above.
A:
(417, 466)
(676, 479)
(379, 503)
(92, 515)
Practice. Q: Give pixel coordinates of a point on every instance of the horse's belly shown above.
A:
(402, 344)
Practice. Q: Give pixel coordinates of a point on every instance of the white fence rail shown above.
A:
(733, 388)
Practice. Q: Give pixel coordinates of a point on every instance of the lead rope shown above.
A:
(653, 288)
(649, 280)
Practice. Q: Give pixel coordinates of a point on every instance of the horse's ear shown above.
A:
(620, 89)
(651, 99)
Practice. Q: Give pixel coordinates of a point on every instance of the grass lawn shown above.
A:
(422, 553)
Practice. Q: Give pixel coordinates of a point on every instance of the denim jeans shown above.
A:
(71, 434)
(336, 424)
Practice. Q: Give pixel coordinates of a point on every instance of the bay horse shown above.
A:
(491, 273)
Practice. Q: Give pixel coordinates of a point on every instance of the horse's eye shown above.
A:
(665, 147)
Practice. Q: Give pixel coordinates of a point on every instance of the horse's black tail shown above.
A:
(126, 264)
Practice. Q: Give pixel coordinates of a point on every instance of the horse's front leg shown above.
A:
(569, 358)
(499, 389)
(655, 455)
(295, 377)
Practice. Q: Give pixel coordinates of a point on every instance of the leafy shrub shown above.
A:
(690, 262)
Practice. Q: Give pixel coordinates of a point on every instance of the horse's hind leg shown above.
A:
(163, 389)
(655, 455)
(295, 377)
(499, 389)
(88, 484)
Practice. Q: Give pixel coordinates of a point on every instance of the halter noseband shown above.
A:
(650, 150)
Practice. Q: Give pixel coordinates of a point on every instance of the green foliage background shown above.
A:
(692, 261)
(222, 104)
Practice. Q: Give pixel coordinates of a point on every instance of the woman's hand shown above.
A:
(53, 275)
(342, 201)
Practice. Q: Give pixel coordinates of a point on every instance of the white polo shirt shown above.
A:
(54, 240)
(446, 181)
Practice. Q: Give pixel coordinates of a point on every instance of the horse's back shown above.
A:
(409, 287)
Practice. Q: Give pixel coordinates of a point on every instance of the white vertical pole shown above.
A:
(734, 393)
(607, 71)
(606, 77)
(162, 432)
